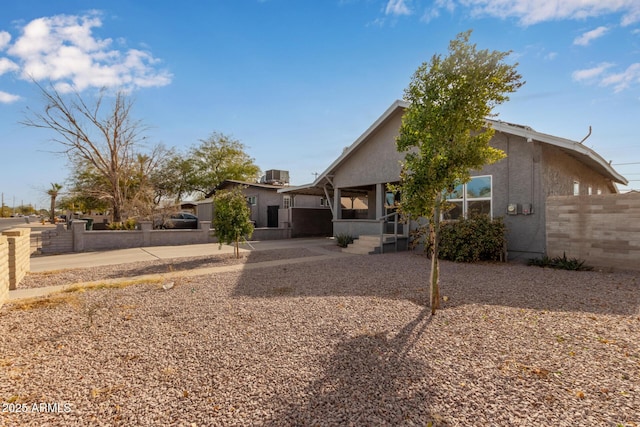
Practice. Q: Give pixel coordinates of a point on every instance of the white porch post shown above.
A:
(337, 204)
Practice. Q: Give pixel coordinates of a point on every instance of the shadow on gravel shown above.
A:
(174, 265)
(405, 276)
(370, 379)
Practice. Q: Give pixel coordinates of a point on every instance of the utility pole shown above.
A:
(2, 207)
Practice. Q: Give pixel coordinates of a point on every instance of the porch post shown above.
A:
(379, 200)
(337, 204)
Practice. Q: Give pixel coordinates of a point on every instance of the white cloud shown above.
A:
(601, 75)
(587, 37)
(591, 73)
(7, 65)
(63, 49)
(5, 38)
(623, 80)
(397, 7)
(7, 98)
(531, 12)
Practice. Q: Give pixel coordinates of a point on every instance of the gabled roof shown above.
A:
(230, 182)
(574, 149)
(580, 152)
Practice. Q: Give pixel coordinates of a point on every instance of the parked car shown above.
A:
(180, 220)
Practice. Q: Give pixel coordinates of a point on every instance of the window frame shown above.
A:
(287, 202)
(465, 199)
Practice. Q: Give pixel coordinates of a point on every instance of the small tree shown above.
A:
(53, 193)
(445, 133)
(232, 217)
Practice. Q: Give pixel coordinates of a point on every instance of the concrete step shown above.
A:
(358, 250)
(370, 244)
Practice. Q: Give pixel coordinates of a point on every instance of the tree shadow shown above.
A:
(176, 264)
(370, 379)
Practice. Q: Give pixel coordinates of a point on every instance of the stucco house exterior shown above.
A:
(265, 201)
(537, 166)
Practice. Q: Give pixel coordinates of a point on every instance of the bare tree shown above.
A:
(103, 140)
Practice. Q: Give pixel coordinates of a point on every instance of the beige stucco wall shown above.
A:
(4, 270)
(376, 160)
(602, 230)
(560, 170)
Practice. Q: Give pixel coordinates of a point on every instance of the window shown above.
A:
(589, 190)
(576, 188)
(472, 198)
(286, 202)
(252, 200)
(324, 202)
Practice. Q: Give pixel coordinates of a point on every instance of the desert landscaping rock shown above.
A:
(344, 341)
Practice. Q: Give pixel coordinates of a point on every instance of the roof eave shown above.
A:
(564, 143)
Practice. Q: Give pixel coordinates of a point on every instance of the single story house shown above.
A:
(537, 166)
(265, 201)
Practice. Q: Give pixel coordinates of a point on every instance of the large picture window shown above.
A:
(471, 198)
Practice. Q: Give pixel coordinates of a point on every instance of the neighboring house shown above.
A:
(537, 166)
(265, 201)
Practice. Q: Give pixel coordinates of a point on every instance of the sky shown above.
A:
(297, 81)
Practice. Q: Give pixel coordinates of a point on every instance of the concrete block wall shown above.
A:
(4, 269)
(603, 230)
(19, 241)
(57, 241)
(77, 239)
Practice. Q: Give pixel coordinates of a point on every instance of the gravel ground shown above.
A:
(346, 341)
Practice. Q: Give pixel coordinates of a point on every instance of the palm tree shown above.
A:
(53, 192)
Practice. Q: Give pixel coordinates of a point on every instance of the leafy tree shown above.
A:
(53, 193)
(104, 141)
(232, 217)
(444, 130)
(173, 178)
(217, 158)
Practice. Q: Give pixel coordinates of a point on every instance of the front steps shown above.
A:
(370, 244)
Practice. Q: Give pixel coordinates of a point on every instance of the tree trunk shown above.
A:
(53, 209)
(435, 266)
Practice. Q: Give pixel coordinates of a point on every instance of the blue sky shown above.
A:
(298, 81)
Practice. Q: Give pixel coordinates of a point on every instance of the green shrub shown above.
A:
(475, 239)
(562, 263)
(129, 224)
(344, 240)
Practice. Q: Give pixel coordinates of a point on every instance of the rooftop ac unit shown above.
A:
(277, 177)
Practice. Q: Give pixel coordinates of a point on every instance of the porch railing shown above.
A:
(383, 222)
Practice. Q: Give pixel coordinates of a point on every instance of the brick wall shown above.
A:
(603, 230)
(19, 240)
(4, 269)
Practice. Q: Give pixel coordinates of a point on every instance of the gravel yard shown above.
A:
(345, 341)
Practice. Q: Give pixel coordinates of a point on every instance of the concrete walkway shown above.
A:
(152, 253)
(122, 256)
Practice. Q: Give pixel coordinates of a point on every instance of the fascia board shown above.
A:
(348, 151)
(564, 143)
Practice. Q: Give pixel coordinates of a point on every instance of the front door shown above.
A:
(272, 216)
